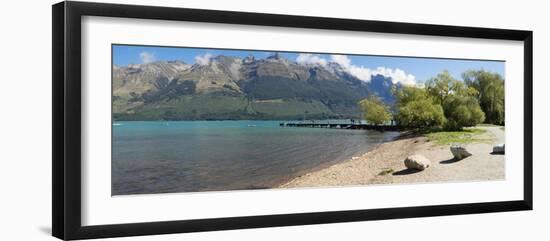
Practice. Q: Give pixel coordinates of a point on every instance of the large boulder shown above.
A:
(498, 149)
(460, 152)
(418, 162)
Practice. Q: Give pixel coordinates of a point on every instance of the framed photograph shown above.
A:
(171, 120)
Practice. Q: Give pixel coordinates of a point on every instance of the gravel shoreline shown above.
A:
(384, 164)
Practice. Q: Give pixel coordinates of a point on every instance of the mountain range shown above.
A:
(240, 88)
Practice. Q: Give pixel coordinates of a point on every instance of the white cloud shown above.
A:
(311, 59)
(397, 75)
(147, 57)
(203, 59)
(360, 72)
(365, 74)
(342, 60)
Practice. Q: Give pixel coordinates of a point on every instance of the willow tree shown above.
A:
(490, 88)
(462, 111)
(374, 110)
(444, 85)
(441, 86)
(459, 102)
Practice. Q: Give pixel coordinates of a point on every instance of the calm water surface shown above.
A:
(190, 156)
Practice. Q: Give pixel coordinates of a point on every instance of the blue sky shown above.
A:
(420, 68)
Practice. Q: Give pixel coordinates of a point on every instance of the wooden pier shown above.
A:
(341, 124)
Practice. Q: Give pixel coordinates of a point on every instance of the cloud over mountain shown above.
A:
(360, 72)
(311, 59)
(147, 57)
(342, 60)
(203, 59)
(397, 75)
(227, 87)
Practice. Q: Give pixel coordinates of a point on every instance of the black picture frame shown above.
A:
(66, 157)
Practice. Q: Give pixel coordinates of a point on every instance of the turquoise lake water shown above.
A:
(189, 156)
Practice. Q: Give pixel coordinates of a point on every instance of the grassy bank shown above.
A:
(384, 164)
(464, 136)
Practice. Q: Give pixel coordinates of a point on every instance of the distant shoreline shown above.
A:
(205, 120)
(384, 165)
(130, 120)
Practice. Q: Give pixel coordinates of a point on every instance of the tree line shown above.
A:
(443, 103)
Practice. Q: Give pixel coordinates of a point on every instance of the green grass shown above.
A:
(464, 136)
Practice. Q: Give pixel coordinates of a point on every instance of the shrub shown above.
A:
(462, 111)
(375, 111)
(421, 114)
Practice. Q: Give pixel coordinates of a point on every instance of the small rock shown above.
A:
(418, 162)
(498, 149)
(460, 152)
(355, 158)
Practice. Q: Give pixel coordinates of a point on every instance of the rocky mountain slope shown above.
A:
(234, 88)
